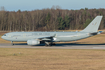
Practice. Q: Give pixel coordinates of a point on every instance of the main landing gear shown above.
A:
(49, 44)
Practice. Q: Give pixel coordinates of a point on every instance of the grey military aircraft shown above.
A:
(36, 38)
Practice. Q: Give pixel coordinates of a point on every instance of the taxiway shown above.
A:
(57, 46)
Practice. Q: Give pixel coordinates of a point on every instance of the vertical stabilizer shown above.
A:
(94, 25)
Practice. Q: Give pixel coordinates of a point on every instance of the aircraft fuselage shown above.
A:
(58, 36)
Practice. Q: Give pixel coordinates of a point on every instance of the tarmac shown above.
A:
(57, 46)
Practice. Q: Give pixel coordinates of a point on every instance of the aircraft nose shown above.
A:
(2, 37)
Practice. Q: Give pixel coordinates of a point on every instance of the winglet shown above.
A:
(94, 25)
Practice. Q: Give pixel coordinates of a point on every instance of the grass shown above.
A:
(51, 59)
(98, 39)
(54, 59)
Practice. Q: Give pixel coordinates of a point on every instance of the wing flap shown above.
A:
(47, 38)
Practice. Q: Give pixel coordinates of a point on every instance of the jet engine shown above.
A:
(33, 42)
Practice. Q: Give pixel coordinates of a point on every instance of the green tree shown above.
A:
(86, 8)
(47, 20)
(67, 21)
(61, 23)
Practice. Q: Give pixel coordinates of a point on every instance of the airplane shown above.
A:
(48, 38)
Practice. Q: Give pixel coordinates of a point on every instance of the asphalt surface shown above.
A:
(57, 46)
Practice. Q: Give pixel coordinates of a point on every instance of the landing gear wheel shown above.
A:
(48, 44)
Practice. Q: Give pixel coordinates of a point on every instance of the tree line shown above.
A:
(49, 19)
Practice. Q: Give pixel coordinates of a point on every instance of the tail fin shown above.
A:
(94, 25)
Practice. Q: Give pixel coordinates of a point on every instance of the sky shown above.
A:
(29, 5)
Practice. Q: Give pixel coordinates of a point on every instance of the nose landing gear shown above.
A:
(12, 43)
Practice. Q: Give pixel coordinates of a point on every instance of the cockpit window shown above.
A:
(4, 35)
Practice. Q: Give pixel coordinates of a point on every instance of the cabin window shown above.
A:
(40, 33)
(34, 34)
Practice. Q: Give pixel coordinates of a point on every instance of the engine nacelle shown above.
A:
(33, 42)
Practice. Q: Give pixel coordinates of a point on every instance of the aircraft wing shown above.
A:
(47, 38)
